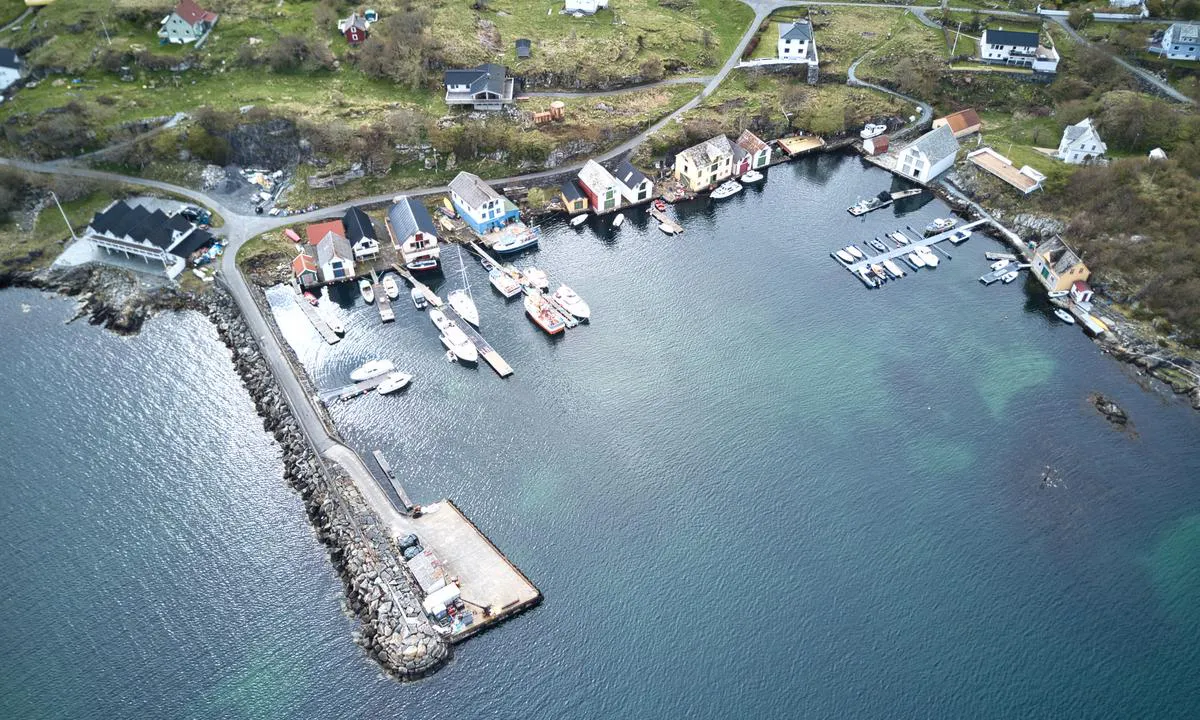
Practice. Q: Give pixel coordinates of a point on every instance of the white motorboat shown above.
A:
(899, 237)
(462, 303)
(858, 254)
(619, 220)
(725, 189)
(915, 259)
(893, 268)
(394, 382)
(927, 254)
(845, 257)
(487, 263)
(1000, 264)
(418, 298)
(940, 225)
(390, 287)
(371, 369)
(506, 284)
(334, 324)
(439, 319)
(668, 229)
(959, 236)
(871, 130)
(537, 278)
(457, 342)
(1009, 276)
(365, 289)
(573, 304)
(752, 176)
(1064, 316)
(578, 220)
(1058, 294)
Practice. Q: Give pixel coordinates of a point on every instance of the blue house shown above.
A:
(479, 205)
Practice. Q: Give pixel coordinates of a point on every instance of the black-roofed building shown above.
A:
(194, 241)
(1017, 48)
(486, 87)
(573, 198)
(151, 235)
(414, 234)
(524, 48)
(360, 233)
(635, 187)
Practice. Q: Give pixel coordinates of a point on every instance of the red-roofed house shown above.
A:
(304, 267)
(317, 231)
(877, 145)
(963, 122)
(188, 23)
(1081, 292)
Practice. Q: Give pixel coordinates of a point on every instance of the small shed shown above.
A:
(524, 49)
(304, 268)
(877, 145)
(573, 198)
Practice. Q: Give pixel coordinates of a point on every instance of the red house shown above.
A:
(354, 28)
(317, 231)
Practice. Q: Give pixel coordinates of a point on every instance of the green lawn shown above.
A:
(39, 246)
(907, 37)
(844, 34)
(10, 10)
(1015, 136)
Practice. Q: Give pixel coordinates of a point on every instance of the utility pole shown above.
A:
(956, 34)
(106, 35)
(64, 214)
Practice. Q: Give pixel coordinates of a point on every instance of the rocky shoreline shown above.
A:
(380, 592)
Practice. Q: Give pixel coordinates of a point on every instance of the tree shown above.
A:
(536, 198)
(398, 48)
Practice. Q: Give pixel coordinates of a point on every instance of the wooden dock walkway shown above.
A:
(386, 469)
(906, 249)
(429, 294)
(350, 392)
(317, 321)
(486, 351)
(659, 215)
(383, 303)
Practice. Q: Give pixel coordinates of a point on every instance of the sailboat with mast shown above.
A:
(461, 299)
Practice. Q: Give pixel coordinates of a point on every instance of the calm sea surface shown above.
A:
(750, 488)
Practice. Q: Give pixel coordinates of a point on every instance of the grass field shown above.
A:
(1015, 136)
(37, 247)
(907, 38)
(10, 10)
(844, 34)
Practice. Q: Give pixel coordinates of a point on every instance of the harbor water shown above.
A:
(750, 487)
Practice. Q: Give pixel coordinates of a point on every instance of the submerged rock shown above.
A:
(1109, 409)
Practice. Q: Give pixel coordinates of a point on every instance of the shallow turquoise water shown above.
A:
(750, 488)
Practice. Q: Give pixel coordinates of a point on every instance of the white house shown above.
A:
(929, 156)
(1020, 49)
(486, 87)
(414, 234)
(10, 68)
(335, 258)
(188, 23)
(1080, 143)
(360, 233)
(634, 185)
(587, 7)
(795, 40)
(1181, 41)
(479, 205)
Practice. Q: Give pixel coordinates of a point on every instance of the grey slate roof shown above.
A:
(488, 76)
(408, 216)
(333, 247)
(358, 226)
(799, 30)
(1012, 37)
(192, 242)
(629, 176)
(105, 221)
(9, 59)
(571, 191)
(1186, 32)
(937, 144)
(473, 191)
(708, 151)
(523, 48)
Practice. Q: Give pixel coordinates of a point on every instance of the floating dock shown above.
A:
(430, 295)
(383, 303)
(661, 216)
(858, 267)
(386, 469)
(486, 351)
(993, 276)
(317, 321)
(350, 392)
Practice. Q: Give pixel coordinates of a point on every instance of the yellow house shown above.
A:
(703, 166)
(1057, 266)
(573, 198)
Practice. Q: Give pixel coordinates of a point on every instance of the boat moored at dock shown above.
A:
(390, 287)
(418, 298)
(371, 369)
(1064, 316)
(940, 225)
(893, 268)
(844, 256)
(453, 337)
(914, 258)
(536, 278)
(855, 252)
(725, 189)
(366, 290)
(751, 176)
(394, 382)
(579, 220)
(462, 303)
(334, 324)
(504, 283)
(927, 255)
(619, 220)
(546, 317)
(572, 303)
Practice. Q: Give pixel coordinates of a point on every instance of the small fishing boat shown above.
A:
(862, 207)
(871, 130)
(506, 284)
(959, 237)
(660, 205)
(752, 176)
(335, 325)
(487, 263)
(875, 243)
(1058, 294)
(462, 303)
(423, 263)
(418, 299)
(1009, 276)
(390, 287)
(578, 220)
(893, 268)
(940, 225)
(900, 238)
(573, 304)
(879, 272)
(845, 257)
(725, 189)
(916, 259)
(516, 242)
(371, 369)
(365, 289)
(1064, 316)
(853, 250)
(866, 276)
(394, 382)
(537, 278)
(928, 256)
(1000, 264)
(667, 228)
(546, 317)
(312, 299)
(619, 220)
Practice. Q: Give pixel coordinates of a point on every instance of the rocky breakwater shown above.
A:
(380, 592)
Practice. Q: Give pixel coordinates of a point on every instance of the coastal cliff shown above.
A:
(379, 590)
